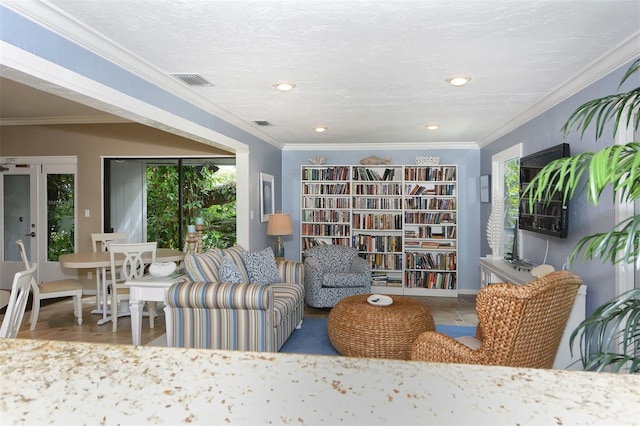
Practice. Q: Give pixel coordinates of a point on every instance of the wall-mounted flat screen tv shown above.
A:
(550, 217)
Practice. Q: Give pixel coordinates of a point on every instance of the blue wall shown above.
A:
(543, 132)
(468, 198)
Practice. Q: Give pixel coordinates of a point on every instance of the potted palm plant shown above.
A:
(610, 336)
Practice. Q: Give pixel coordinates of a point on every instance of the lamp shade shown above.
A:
(279, 224)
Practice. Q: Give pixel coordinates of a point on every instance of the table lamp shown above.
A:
(279, 225)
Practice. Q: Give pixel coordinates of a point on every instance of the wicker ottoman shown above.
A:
(357, 328)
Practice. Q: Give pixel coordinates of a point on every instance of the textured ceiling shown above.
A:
(372, 71)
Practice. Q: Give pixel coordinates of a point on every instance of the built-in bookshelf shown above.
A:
(402, 220)
(430, 229)
(325, 215)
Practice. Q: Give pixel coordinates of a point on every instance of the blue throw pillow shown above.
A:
(261, 266)
(229, 272)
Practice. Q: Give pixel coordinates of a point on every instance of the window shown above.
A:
(505, 181)
(155, 199)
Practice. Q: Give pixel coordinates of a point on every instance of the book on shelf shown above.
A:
(394, 282)
(426, 244)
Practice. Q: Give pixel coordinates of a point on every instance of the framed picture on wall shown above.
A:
(267, 196)
(485, 188)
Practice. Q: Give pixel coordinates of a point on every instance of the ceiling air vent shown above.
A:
(192, 79)
(264, 123)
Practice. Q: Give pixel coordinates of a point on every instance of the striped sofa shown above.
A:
(207, 312)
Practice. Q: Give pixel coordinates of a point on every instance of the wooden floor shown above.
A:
(56, 320)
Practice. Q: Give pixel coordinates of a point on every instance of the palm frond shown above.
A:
(621, 245)
(617, 165)
(616, 322)
(635, 67)
(619, 106)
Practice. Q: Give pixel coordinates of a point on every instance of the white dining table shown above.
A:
(102, 260)
(147, 289)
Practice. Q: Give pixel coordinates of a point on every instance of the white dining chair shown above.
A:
(100, 243)
(133, 267)
(17, 303)
(67, 287)
(4, 298)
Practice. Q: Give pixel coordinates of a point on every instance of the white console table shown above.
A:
(494, 270)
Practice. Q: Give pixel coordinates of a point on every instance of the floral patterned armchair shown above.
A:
(333, 272)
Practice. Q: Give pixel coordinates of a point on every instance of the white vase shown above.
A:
(162, 269)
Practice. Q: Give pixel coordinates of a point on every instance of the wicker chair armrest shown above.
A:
(432, 346)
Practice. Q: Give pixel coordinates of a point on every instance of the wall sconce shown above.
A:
(279, 225)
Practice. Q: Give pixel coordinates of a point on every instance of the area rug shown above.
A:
(312, 338)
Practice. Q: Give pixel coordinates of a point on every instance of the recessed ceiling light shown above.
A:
(458, 80)
(284, 87)
(432, 126)
(321, 129)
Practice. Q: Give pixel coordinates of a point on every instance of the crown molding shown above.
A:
(416, 146)
(627, 51)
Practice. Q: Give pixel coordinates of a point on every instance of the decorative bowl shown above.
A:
(162, 269)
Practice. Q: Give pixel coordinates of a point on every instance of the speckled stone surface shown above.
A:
(79, 383)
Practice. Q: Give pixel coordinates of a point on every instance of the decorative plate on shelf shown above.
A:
(379, 300)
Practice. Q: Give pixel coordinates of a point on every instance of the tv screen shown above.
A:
(551, 216)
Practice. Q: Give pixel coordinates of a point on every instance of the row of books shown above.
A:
(308, 242)
(417, 189)
(443, 173)
(379, 221)
(383, 279)
(377, 189)
(432, 231)
(377, 203)
(365, 173)
(429, 217)
(334, 216)
(426, 245)
(383, 261)
(328, 230)
(328, 173)
(377, 243)
(335, 188)
(420, 203)
(428, 260)
(432, 280)
(326, 203)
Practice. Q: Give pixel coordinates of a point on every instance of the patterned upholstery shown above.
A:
(518, 325)
(333, 272)
(242, 316)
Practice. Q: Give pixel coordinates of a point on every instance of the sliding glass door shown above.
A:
(156, 199)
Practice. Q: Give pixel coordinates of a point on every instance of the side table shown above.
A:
(147, 289)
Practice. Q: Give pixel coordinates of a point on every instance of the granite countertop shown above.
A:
(83, 383)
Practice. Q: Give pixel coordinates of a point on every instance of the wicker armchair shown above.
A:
(333, 272)
(519, 325)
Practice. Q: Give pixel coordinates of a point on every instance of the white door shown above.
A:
(39, 207)
(19, 216)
